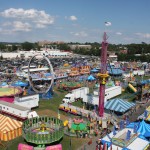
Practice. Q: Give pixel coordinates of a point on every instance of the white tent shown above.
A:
(32, 114)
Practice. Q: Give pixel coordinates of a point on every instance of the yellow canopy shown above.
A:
(9, 128)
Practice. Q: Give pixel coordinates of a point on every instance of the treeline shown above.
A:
(95, 50)
(11, 47)
(131, 48)
(27, 46)
(142, 49)
(129, 57)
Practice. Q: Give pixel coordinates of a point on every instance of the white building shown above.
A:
(74, 46)
(54, 52)
(27, 54)
(14, 110)
(29, 101)
(113, 58)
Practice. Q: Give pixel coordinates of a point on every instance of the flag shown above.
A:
(114, 131)
(128, 135)
(121, 124)
(145, 114)
(127, 121)
(107, 23)
(135, 129)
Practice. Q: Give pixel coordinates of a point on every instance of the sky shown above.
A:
(75, 20)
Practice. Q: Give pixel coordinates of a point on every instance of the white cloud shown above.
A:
(80, 34)
(40, 25)
(15, 26)
(143, 35)
(118, 33)
(40, 18)
(20, 26)
(73, 18)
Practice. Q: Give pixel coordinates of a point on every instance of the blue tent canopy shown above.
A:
(125, 148)
(143, 128)
(145, 82)
(115, 71)
(20, 83)
(48, 74)
(90, 78)
(3, 84)
(118, 105)
(132, 124)
(94, 70)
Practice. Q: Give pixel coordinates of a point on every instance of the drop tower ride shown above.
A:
(103, 75)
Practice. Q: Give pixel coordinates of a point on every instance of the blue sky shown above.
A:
(75, 20)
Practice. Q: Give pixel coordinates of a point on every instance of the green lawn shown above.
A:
(78, 104)
(52, 105)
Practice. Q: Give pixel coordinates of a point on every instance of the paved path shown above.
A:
(133, 117)
(92, 146)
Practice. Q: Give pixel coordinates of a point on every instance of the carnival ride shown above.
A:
(103, 75)
(85, 70)
(82, 112)
(43, 130)
(8, 93)
(70, 85)
(44, 76)
(74, 72)
(132, 88)
(75, 127)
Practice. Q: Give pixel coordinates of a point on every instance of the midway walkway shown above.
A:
(133, 115)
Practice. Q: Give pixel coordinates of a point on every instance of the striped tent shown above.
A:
(9, 128)
(118, 105)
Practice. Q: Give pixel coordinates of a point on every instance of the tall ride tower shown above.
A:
(103, 75)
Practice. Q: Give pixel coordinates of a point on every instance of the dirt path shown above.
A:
(51, 113)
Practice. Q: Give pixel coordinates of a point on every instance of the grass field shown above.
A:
(50, 108)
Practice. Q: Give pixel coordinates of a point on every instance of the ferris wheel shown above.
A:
(41, 77)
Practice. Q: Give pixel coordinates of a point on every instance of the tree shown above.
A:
(37, 47)
(27, 46)
(2, 47)
(1, 57)
(14, 47)
(64, 46)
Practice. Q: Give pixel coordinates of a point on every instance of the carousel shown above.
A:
(43, 130)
